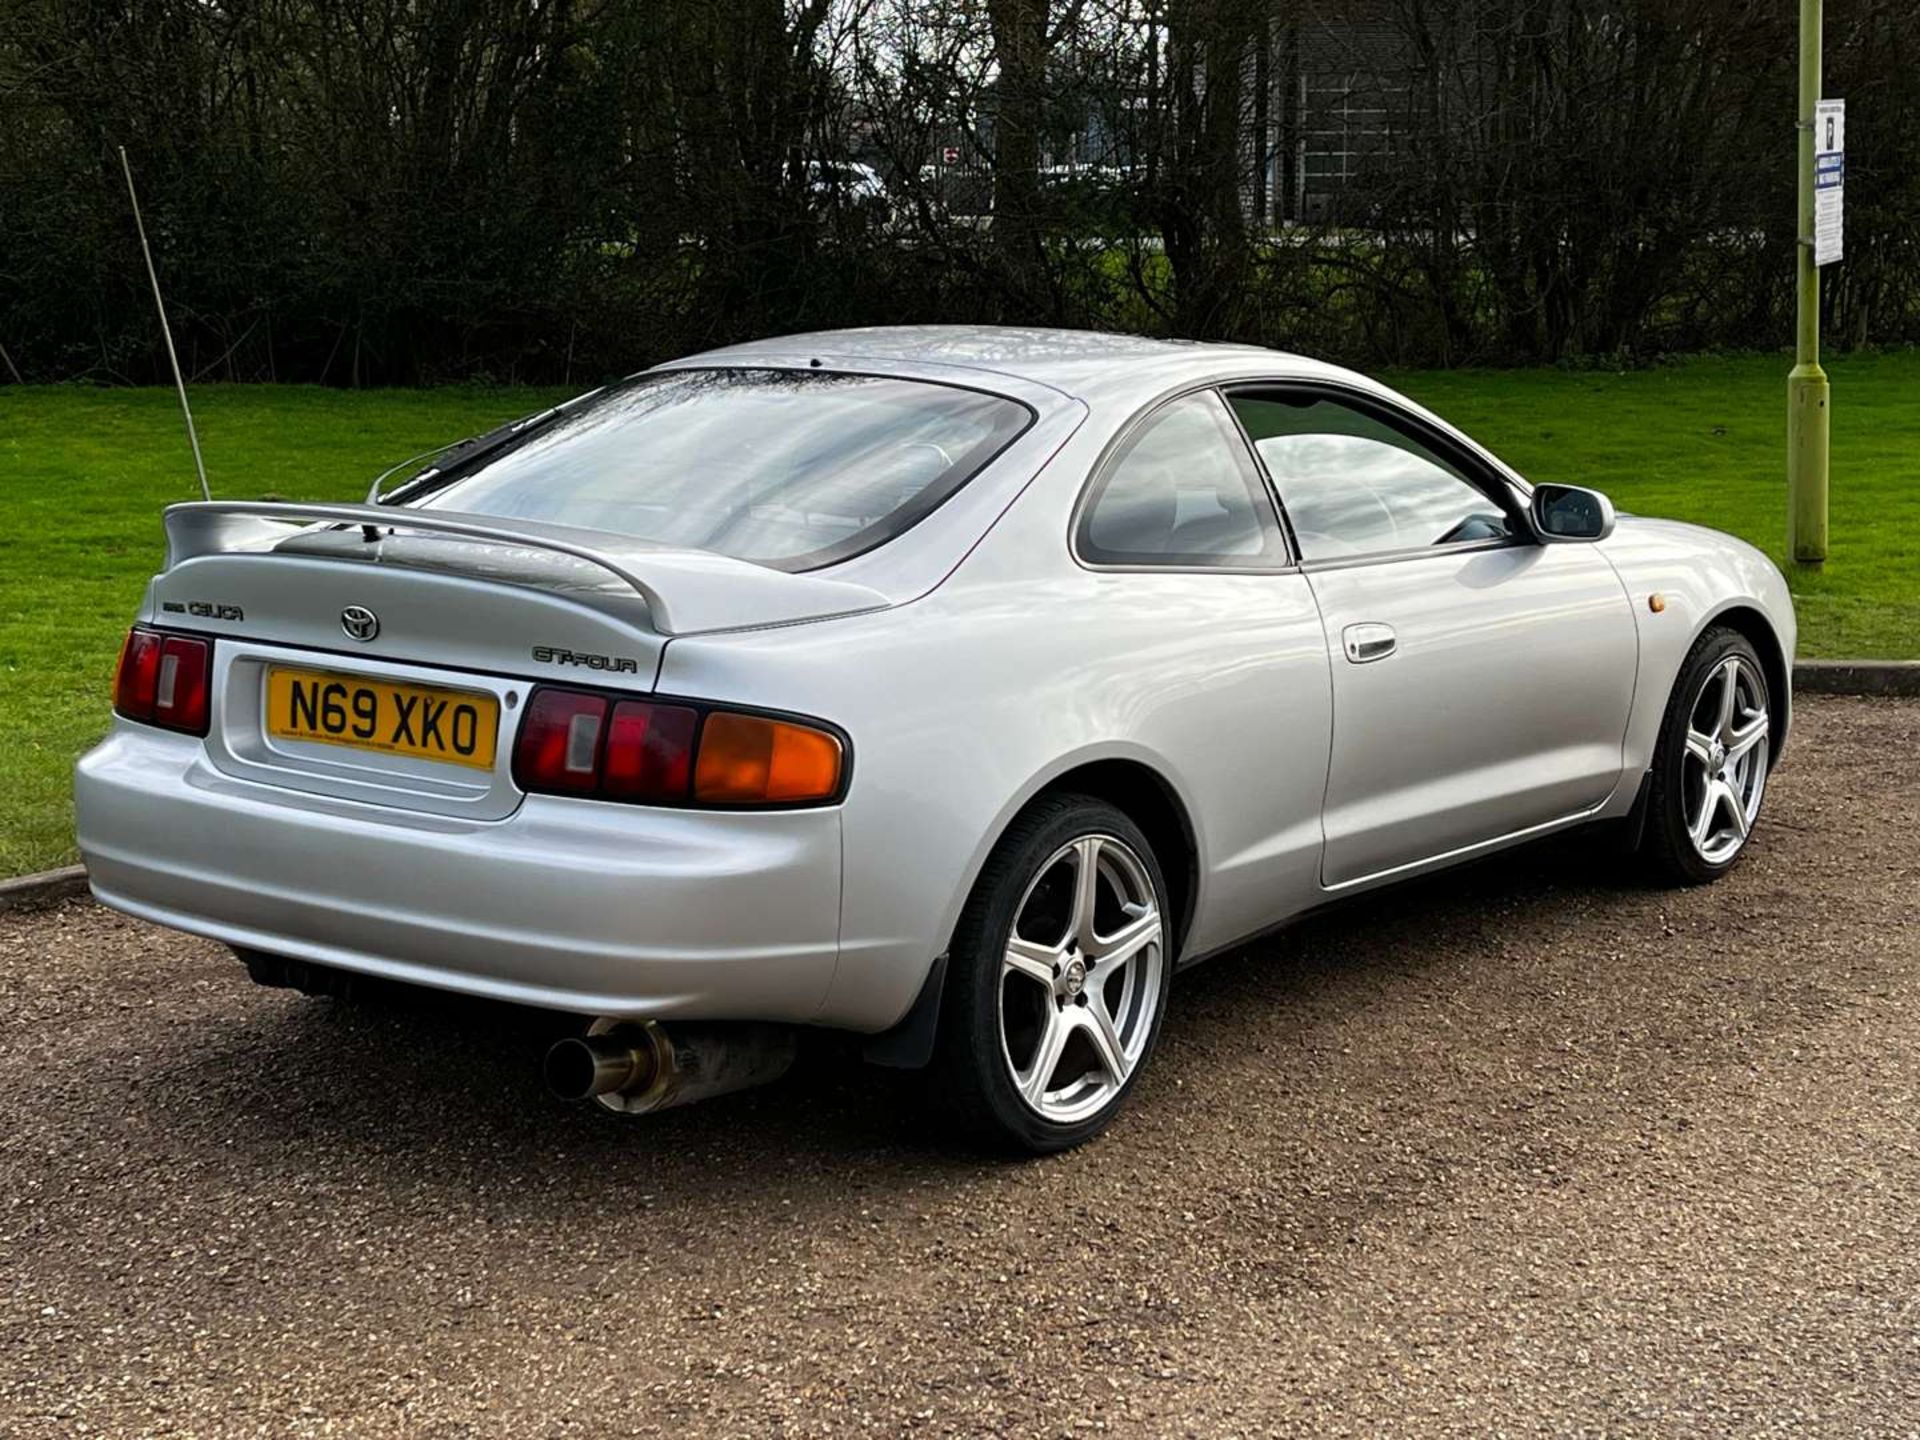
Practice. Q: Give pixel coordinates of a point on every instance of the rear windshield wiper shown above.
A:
(462, 455)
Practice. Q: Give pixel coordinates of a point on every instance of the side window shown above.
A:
(1182, 492)
(1355, 485)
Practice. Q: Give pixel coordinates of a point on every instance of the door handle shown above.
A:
(1368, 641)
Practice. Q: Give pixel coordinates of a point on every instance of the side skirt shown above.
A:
(1630, 827)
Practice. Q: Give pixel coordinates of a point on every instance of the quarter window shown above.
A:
(1182, 492)
(1354, 485)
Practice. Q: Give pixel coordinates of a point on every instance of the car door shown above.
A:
(1481, 680)
(1227, 684)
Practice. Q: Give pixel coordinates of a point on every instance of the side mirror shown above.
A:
(1565, 513)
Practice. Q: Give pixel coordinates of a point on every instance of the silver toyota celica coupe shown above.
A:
(949, 687)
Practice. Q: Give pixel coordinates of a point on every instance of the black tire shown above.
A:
(970, 1076)
(1668, 854)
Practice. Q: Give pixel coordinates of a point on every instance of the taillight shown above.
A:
(165, 680)
(649, 751)
(133, 683)
(751, 760)
(575, 742)
(559, 746)
(180, 688)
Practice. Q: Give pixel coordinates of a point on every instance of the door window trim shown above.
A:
(1474, 470)
(1116, 450)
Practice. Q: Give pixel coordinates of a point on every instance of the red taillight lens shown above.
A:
(165, 680)
(559, 745)
(649, 751)
(139, 672)
(576, 742)
(180, 687)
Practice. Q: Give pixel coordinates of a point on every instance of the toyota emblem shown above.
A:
(359, 622)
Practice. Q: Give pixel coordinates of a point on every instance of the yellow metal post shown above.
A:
(1807, 413)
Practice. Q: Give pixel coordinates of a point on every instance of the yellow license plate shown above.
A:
(457, 726)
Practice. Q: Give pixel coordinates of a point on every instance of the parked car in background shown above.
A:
(950, 687)
(852, 185)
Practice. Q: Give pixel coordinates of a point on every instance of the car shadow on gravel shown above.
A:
(452, 1088)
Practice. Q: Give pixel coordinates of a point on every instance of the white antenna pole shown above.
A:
(179, 383)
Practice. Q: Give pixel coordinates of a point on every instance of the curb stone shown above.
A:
(1857, 677)
(27, 892)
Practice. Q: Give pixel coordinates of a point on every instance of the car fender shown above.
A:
(908, 1043)
(1697, 577)
(1159, 765)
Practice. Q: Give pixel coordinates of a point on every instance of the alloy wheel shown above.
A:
(1725, 770)
(1080, 978)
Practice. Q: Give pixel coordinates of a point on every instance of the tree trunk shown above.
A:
(1020, 48)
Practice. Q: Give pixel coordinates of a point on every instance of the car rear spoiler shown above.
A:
(687, 592)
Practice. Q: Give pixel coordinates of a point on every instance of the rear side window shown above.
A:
(790, 468)
(1182, 492)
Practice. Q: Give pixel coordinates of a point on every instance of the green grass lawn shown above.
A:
(1706, 441)
(83, 474)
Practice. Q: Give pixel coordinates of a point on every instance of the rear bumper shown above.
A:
(566, 904)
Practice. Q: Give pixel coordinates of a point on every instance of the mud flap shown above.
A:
(909, 1044)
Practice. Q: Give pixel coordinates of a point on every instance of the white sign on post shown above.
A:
(1829, 178)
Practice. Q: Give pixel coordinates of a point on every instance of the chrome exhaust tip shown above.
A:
(585, 1067)
(637, 1067)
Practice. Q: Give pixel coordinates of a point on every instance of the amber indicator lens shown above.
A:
(752, 760)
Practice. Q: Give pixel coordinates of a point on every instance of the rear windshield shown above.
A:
(790, 468)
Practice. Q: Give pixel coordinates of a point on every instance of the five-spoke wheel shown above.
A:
(1710, 771)
(1081, 981)
(1726, 765)
(1057, 977)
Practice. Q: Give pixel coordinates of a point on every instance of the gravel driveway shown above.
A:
(1511, 1151)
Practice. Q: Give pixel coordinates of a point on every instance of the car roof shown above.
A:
(1089, 365)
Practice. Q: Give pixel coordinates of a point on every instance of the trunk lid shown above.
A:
(472, 609)
(685, 592)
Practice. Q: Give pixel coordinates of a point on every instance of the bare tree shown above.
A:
(372, 191)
